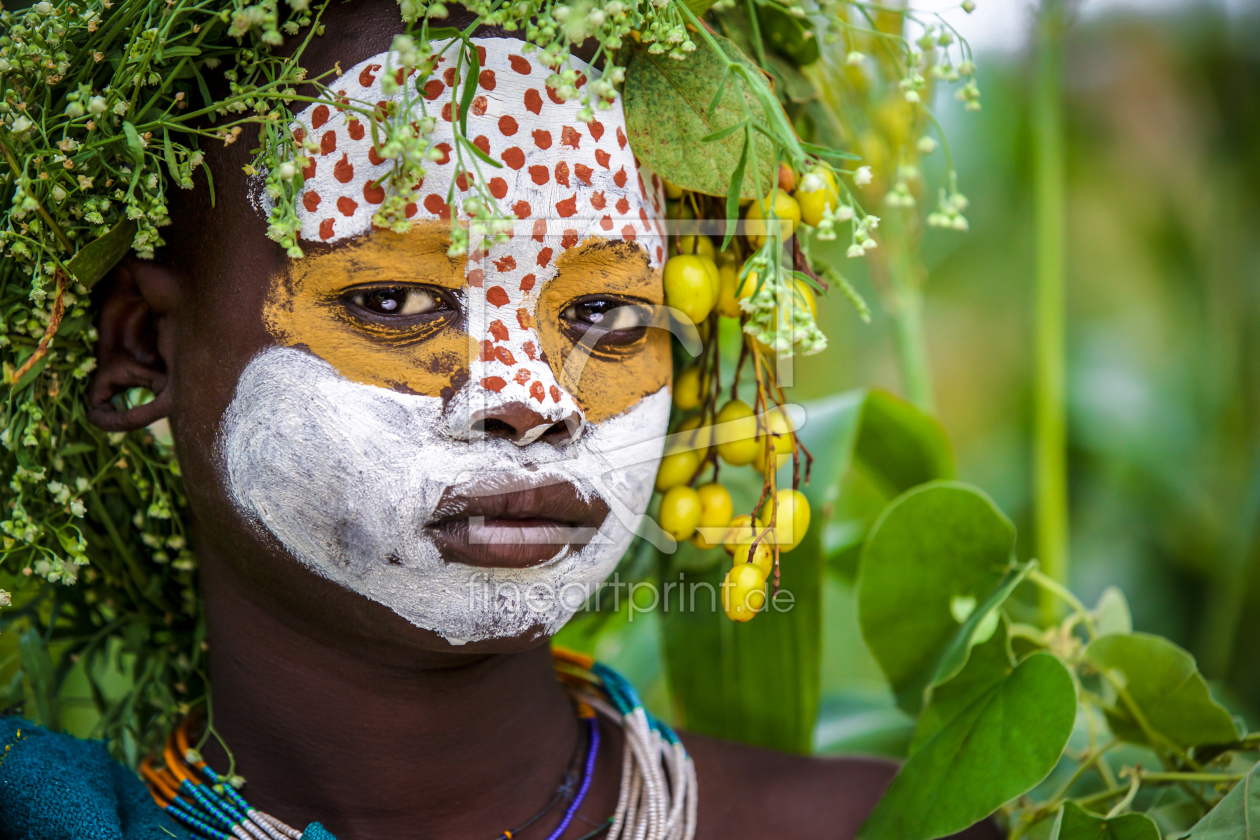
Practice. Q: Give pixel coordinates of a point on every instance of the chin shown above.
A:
(347, 476)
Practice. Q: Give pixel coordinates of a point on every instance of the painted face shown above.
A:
(471, 442)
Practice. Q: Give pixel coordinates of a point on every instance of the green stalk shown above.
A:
(1050, 419)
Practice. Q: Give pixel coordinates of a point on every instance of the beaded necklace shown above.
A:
(657, 798)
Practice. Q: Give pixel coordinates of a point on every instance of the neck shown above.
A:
(372, 742)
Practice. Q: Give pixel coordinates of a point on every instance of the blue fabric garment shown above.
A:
(57, 787)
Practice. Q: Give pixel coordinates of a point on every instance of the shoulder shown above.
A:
(55, 787)
(752, 792)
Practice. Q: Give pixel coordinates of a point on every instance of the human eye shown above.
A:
(401, 303)
(618, 321)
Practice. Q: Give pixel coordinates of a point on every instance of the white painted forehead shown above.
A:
(565, 180)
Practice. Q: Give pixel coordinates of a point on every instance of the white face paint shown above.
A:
(347, 475)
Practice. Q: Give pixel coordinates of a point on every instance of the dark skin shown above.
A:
(336, 708)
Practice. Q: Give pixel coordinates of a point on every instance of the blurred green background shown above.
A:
(1162, 106)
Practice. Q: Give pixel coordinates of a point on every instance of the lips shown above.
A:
(513, 523)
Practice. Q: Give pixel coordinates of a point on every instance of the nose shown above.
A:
(517, 422)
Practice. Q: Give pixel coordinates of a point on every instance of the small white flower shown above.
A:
(844, 213)
(811, 183)
(856, 250)
(21, 124)
(854, 58)
(926, 145)
(286, 171)
(863, 176)
(969, 6)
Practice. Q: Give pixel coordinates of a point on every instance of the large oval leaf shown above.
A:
(998, 748)
(1236, 817)
(667, 118)
(1075, 823)
(1164, 683)
(933, 549)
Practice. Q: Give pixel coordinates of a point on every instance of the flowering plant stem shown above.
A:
(1050, 425)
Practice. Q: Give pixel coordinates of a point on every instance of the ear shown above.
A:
(136, 331)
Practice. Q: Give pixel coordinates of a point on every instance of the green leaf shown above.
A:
(134, 144)
(1112, 613)
(1075, 823)
(168, 152)
(667, 117)
(955, 653)
(470, 87)
(1236, 817)
(96, 258)
(990, 663)
(789, 36)
(38, 668)
(789, 81)
(900, 445)
(933, 547)
(998, 748)
(1164, 683)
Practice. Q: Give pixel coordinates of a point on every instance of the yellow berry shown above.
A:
(791, 518)
(762, 557)
(697, 244)
(716, 506)
(814, 203)
(680, 512)
(715, 278)
(689, 388)
(743, 592)
(736, 433)
(728, 287)
(677, 467)
(776, 439)
(672, 192)
(786, 211)
(739, 533)
(695, 437)
(688, 286)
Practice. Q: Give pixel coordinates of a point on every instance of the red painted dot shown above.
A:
(448, 76)
(344, 170)
(487, 351)
(533, 101)
(494, 383)
(602, 158)
(486, 80)
(410, 210)
(537, 391)
(497, 295)
(520, 64)
(521, 209)
(498, 187)
(499, 331)
(481, 56)
(527, 283)
(508, 263)
(551, 94)
(567, 207)
(562, 173)
(544, 257)
(542, 138)
(514, 158)
(584, 172)
(660, 254)
(299, 134)
(540, 229)
(524, 319)
(606, 223)
(373, 192)
(479, 105)
(597, 129)
(319, 116)
(328, 143)
(620, 177)
(310, 201)
(373, 157)
(627, 233)
(570, 137)
(400, 76)
(445, 149)
(435, 205)
(522, 376)
(482, 142)
(475, 277)
(507, 125)
(555, 394)
(539, 174)
(623, 206)
(366, 77)
(501, 353)
(355, 129)
(581, 80)
(461, 181)
(326, 229)
(347, 205)
(569, 239)
(598, 201)
(433, 89)
(308, 171)
(530, 350)
(621, 137)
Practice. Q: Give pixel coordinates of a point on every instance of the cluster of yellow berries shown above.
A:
(705, 284)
